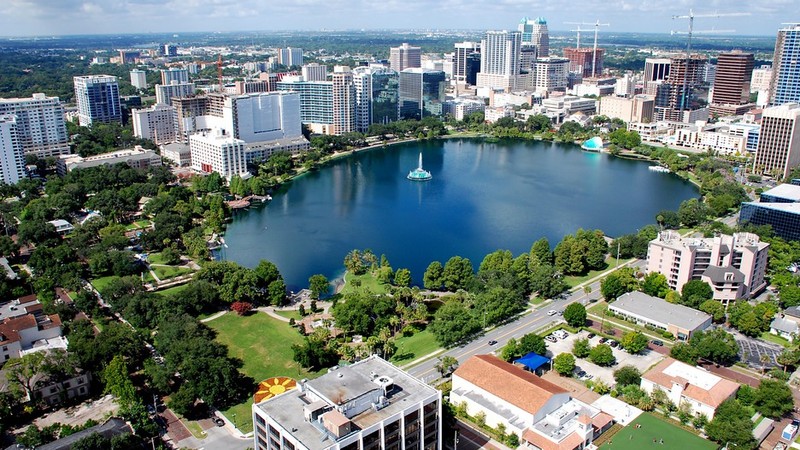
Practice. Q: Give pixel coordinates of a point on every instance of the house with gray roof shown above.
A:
(783, 327)
(645, 310)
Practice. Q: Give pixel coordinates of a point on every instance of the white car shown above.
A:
(552, 312)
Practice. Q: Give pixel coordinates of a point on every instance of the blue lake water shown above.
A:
(483, 197)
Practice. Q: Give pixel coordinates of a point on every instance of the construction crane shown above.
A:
(596, 26)
(578, 30)
(691, 31)
(217, 63)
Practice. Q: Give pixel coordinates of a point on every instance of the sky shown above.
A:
(59, 17)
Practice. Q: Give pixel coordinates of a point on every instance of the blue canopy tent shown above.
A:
(533, 361)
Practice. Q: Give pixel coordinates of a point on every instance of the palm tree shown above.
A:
(394, 321)
(764, 358)
(587, 290)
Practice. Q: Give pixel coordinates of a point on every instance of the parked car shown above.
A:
(591, 335)
(492, 342)
(552, 312)
(551, 338)
(657, 343)
(603, 340)
(613, 344)
(219, 422)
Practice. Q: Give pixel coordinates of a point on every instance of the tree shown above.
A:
(25, 371)
(682, 351)
(241, 308)
(773, 399)
(714, 309)
(627, 375)
(532, 342)
(655, 284)
(564, 364)
(446, 365)
(695, 292)
(402, 278)
(117, 381)
(581, 348)
(433, 278)
(633, 342)
(453, 323)
(457, 274)
(692, 212)
(575, 315)
(602, 355)
(731, 425)
(540, 252)
(715, 345)
(618, 283)
(668, 219)
(318, 285)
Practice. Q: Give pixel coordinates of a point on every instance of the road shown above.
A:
(527, 323)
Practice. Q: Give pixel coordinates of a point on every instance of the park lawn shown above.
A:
(368, 281)
(574, 280)
(289, 314)
(264, 344)
(414, 346)
(101, 282)
(167, 272)
(155, 258)
(173, 290)
(675, 438)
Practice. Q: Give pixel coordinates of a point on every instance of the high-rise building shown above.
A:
(785, 83)
(463, 51)
(166, 92)
(760, 80)
(421, 93)
(535, 32)
(376, 96)
(656, 69)
(170, 50)
(290, 56)
(731, 93)
(129, 56)
(638, 108)
(40, 125)
(315, 72)
(217, 151)
(582, 60)
(404, 57)
(369, 405)
(500, 60)
(344, 102)
(685, 75)
(778, 150)
(156, 123)
(179, 74)
(734, 266)
(12, 157)
(551, 74)
(98, 100)
(139, 79)
(316, 103)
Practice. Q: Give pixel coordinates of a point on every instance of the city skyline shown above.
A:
(69, 17)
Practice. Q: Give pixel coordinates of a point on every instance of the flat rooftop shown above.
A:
(793, 208)
(340, 386)
(787, 191)
(659, 310)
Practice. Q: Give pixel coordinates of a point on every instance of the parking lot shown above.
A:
(642, 361)
(752, 350)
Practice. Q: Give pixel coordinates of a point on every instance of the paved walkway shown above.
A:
(214, 316)
(176, 430)
(270, 310)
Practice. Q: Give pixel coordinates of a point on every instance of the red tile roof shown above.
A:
(571, 442)
(10, 328)
(508, 382)
(721, 391)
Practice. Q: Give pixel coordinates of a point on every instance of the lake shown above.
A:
(483, 196)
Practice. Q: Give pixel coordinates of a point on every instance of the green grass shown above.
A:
(155, 258)
(415, 346)
(769, 337)
(102, 282)
(264, 344)
(574, 280)
(368, 281)
(538, 300)
(289, 314)
(675, 438)
(195, 429)
(173, 290)
(167, 272)
(138, 225)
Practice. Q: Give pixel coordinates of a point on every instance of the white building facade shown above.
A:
(156, 123)
(12, 158)
(218, 152)
(41, 128)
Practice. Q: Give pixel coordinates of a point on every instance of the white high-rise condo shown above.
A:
(12, 159)
(778, 150)
(405, 57)
(139, 79)
(41, 128)
(97, 97)
(500, 59)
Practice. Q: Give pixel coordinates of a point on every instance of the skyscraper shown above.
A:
(422, 93)
(290, 56)
(778, 148)
(582, 60)
(139, 79)
(785, 83)
(404, 57)
(156, 123)
(500, 59)
(41, 129)
(315, 72)
(178, 74)
(684, 76)
(376, 96)
(656, 69)
(461, 59)
(344, 102)
(12, 158)
(97, 97)
(535, 32)
(731, 93)
(165, 93)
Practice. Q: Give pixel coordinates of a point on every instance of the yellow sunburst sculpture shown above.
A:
(273, 386)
